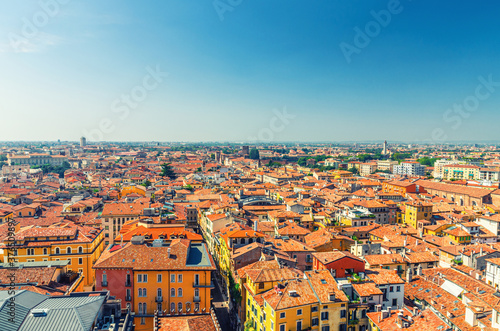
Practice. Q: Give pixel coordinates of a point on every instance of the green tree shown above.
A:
(212, 156)
(354, 170)
(254, 154)
(147, 183)
(167, 171)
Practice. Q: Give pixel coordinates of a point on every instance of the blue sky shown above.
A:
(231, 69)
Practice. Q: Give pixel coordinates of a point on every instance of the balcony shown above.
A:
(159, 299)
(353, 321)
(128, 283)
(104, 283)
(128, 298)
(196, 299)
(197, 284)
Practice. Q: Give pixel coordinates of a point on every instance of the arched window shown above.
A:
(68, 250)
(172, 292)
(80, 249)
(172, 307)
(179, 306)
(57, 250)
(45, 251)
(158, 292)
(196, 292)
(179, 292)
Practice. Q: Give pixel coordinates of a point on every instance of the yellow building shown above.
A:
(461, 172)
(458, 235)
(80, 245)
(416, 211)
(138, 189)
(313, 301)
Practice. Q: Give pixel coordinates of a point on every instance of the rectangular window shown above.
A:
(324, 316)
(179, 279)
(282, 315)
(299, 312)
(398, 289)
(172, 278)
(282, 327)
(315, 321)
(158, 278)
(342, 313)
(139, 278)
(80, 260)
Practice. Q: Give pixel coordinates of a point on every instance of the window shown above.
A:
(45, 251)
(282, 327)
(282, 315)
(324, 315)
(68, 250)
(80, 249)
(315, 321)
(325, 328)
(179, 306)
(179, 292)
(196, 279)
(172, 307)
(57, 250)
(172, 278)
(158, 292)
(394, 303)
(398, 288)
(197, 294)
(299, 312)
(80, 260)
(342, 313)
(142, 278)
(31, 251)
(313, 309)
(104, 278)
(158, 278)
(179, 278)
(299, 325)
(172, 292)
(391, 289)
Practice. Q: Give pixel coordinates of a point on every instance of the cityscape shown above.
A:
(233, 165)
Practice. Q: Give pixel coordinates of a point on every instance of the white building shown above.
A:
(409, 169)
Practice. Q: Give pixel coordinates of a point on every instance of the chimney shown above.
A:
(409, 275)
(168, 252)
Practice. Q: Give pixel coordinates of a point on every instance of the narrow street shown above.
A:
(221, 306)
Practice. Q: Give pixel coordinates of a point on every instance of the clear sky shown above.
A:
(333, 70)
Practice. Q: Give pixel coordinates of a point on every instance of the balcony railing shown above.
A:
(353, 321)
(104, 283)
(196, 299)
(198, 284)
(159, 298)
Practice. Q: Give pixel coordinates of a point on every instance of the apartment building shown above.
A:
(409, 169)
(174, 278)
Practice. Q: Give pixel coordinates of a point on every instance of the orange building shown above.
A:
(173, 278)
